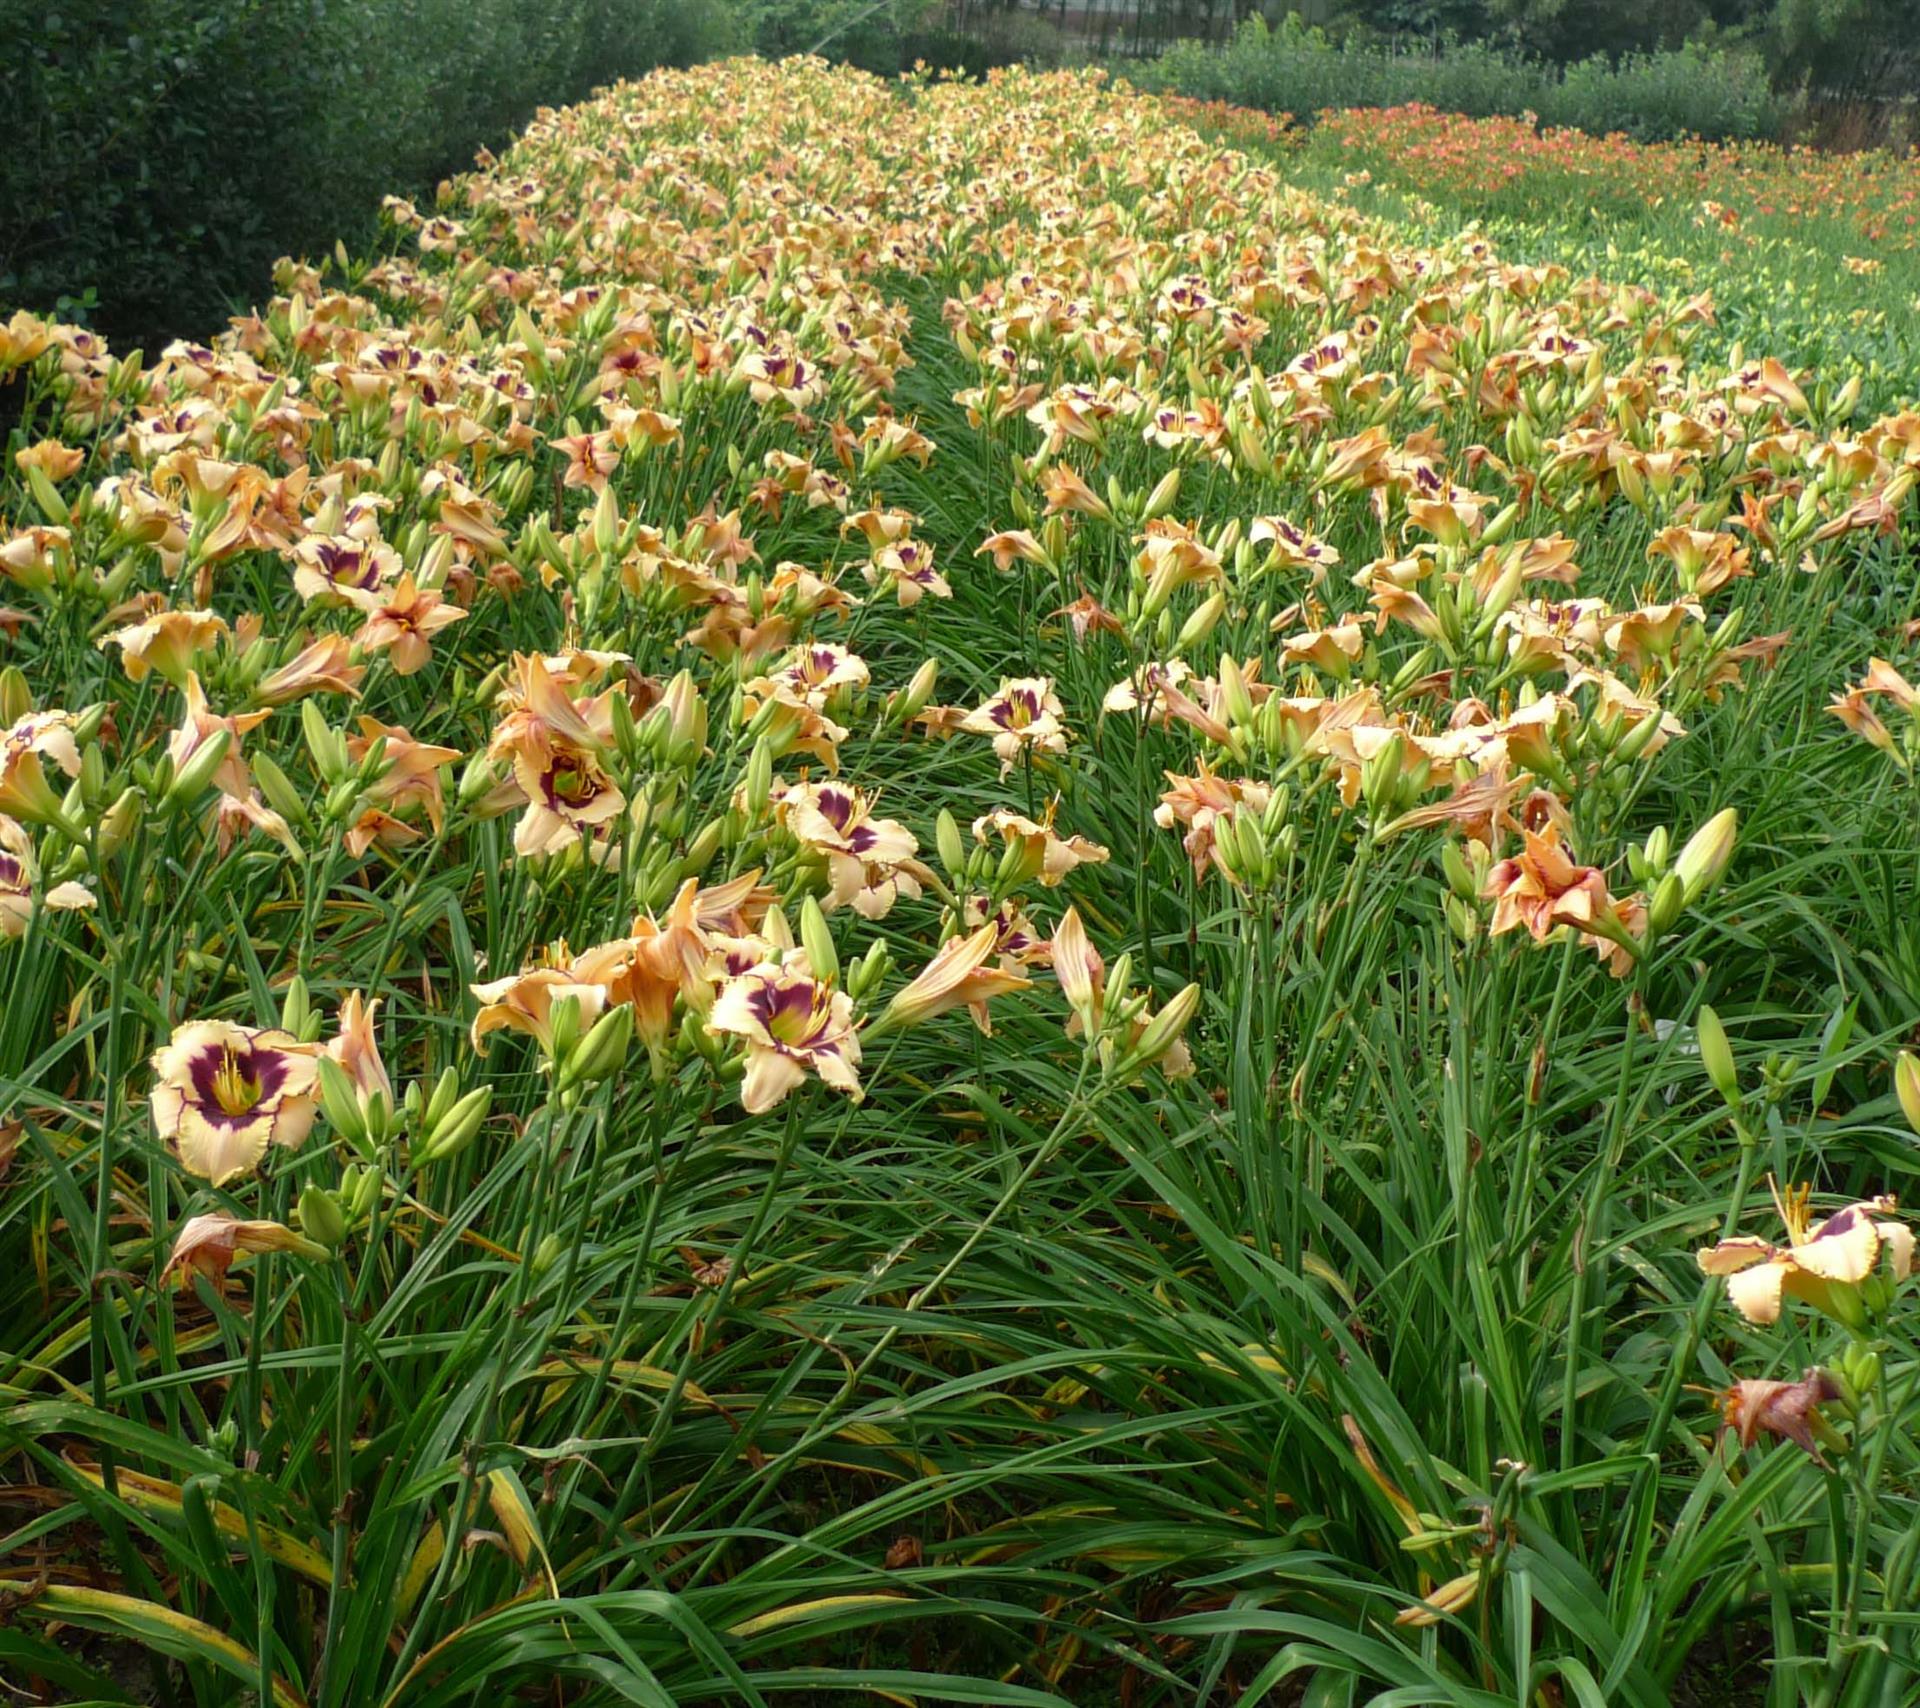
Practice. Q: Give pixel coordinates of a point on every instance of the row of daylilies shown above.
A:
(592, 507)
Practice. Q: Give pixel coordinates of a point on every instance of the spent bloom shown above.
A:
(207, 1245)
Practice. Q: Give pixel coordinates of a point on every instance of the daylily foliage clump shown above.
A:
(518, 752)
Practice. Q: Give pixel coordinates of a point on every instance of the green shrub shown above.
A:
(1654, 96)
(163, 152)
(1296, 69)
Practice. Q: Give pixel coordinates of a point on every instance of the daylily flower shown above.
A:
(1822, 1265)
(1196, 803)
(957, 977)
(223, 1093)
(814, 672)
(1016, 938)
(660, 960)
(1789, 1410)
(25, 790)
(409, 770)
(336, 566)
(1542, 889)
(1045, 854)
(402, 621)
(1014, 545)
(168, 641)
(524, 1002)
(1024, 715)
(201, 726)
(20, 880)
(235, 815)
(558, 748)
(355, 1047)
(323, 666)
(1853, 710)
(793, 1024)
(869, 860)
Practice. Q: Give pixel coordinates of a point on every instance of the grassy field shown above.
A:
(922, 892)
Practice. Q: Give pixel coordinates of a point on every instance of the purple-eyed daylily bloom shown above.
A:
(223, 1093)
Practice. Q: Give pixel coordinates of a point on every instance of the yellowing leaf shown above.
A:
(808, 1610)
(151, 1494)
(156, 1626)
(514, 1510)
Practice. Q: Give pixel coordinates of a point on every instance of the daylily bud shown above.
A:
(277, 787)
(1164, 1029)
(946, 838)
(455, 1129)
(193, 779)
(1453, 1596)
(426, 1110)
(817, 939)
(16, 699)
(757, 786)
(1234, 694)
(600, 1053)
(1906, 1085)
(1459, 878)
(118, 823)
(919, 691)
(1380, 776)
(1716, 1056)
(341, 1102)
(296, 1007)
(869, 971)
(1668, 903)
(1160, 500)
(1119, 977)
(476, 779)
(564, 1027)
(321, 1218)
(360, 1190)
(1226, 847)
(1658, 850)
(1201, 624)
(1706, 854)
(687, 716)
(606, 521)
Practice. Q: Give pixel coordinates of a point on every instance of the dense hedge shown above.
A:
(161, 153)
(1650, 97)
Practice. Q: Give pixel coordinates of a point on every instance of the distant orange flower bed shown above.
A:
(1876, 193)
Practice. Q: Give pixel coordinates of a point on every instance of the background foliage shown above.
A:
(162, 153)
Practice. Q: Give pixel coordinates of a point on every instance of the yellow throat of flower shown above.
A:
(232, 1089)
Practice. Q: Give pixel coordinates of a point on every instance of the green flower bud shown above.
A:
(952, 850)
(1668, 903)
(455, 1130)
(817, 940)
(1163, 1030)
(1906, 1085)
(600, 1054)
(321, 1218)
(341, 1101)
(1716, 1056)
(194, 778)
(1706, 854)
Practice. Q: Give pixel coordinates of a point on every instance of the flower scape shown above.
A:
(908, 891)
